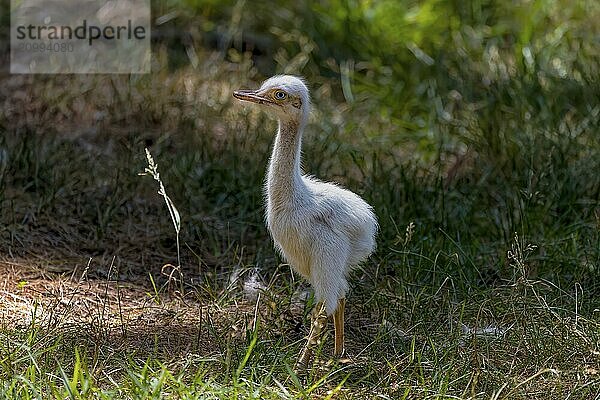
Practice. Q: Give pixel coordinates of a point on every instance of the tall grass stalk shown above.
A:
(152, 169)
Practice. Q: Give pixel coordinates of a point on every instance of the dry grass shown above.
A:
(517, 341)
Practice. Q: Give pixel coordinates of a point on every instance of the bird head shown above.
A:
(285, 96)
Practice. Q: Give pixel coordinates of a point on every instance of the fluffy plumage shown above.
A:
(322, 229)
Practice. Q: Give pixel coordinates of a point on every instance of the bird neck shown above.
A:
(284, 179)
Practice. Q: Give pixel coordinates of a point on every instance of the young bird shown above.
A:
(320, 228)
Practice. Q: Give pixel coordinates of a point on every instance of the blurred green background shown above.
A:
(473, 120)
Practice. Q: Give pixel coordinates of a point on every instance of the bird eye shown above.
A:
(280, 95)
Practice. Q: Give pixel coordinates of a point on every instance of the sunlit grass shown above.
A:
(521, 340)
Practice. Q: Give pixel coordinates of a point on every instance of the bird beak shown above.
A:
(251, 95)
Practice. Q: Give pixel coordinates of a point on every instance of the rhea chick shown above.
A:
(320, 228)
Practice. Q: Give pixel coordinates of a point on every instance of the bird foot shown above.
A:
(304, 360)
(318, 322)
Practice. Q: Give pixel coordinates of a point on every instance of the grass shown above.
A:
(484, 284)
(419, 343)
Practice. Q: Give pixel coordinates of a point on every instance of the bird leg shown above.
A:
(338, 324)
(318, 322)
